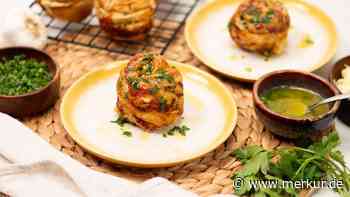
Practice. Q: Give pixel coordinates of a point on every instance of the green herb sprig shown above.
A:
(164, 75)
(21, 75)
(162, 104)
(121, 121)
(134, 82)
(177, 129)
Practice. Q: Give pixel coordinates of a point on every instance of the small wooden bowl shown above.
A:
(292, 128)
(36, 101)
(344, 110)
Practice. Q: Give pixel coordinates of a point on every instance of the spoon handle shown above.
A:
(332, 99)
(336, 98)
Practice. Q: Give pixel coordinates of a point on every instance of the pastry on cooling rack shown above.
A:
(260, 26)
(70, 10)
(126, 19)
(150, 92)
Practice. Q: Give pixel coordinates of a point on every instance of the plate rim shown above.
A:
(191, 23)
(226, 133)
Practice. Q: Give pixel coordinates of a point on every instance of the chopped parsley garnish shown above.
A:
(154, 90)
(164, 75)
(253, 11)
(120, 121)
(268, 17)
(127, 133)
(20, 75)
(162, 104)
(126, 95)
(321, 161)
(146, 63)
(308, 40)
(177, 129)
(148, 57)
(257, 18)
(134, 82)
(248, 69)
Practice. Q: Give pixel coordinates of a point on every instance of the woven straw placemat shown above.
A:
(205, 176)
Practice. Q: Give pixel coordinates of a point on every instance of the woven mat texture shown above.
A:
(205, 176)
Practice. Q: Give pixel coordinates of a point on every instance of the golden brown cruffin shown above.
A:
(70, 10)
(260, 26)
(150, 92)
(126, 19)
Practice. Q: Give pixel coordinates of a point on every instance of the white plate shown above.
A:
(208, 37)
(88, 108)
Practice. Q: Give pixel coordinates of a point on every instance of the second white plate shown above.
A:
(312, 41)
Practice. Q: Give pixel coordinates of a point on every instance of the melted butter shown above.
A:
(306, 42)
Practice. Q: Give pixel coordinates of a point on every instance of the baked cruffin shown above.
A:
(260, 26)
(126, 19)
(150, 92)
(70, 10)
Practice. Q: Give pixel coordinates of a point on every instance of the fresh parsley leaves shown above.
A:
(134, 82)
(127, 133)
(21, 75)
(162, 104)
(154, 90)
(147, 63)
(257, 17)
(121, 121)
(320, 161)
(177, 129)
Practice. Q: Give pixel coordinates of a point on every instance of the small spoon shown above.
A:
(329, 100)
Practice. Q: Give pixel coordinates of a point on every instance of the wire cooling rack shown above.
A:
(170, 16)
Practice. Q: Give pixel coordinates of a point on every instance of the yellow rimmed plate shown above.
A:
(88, 106)
(312, 41)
